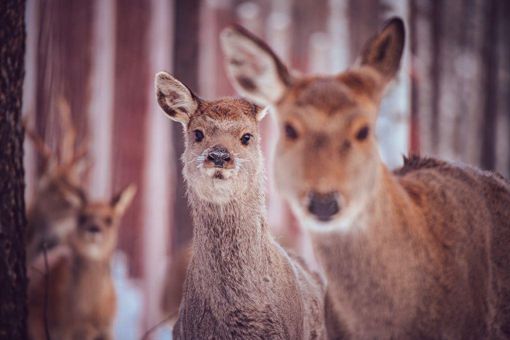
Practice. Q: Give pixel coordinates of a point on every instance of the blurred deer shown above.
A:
(59, 191)
(80, 293)
(240, 283)
(422, 252)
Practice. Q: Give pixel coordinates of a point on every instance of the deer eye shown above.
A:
(82, 219)
(362, 133)
(199, 135)
(290, 132)
(245, 139)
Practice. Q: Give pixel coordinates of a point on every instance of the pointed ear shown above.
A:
(261, 112)
(384, 51)
(121, 201)
(178, 102)
(253, 68)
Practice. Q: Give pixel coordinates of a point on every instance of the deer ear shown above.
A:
(383, 52)
(178, 102)
(121, 201)
(253, 68)
(261, 112)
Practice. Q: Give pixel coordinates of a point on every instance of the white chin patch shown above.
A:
(219, 174)
(94, 251)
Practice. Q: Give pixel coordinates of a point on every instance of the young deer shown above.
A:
(423, 252)
(59, 193)
(80, 292)
(240, 283)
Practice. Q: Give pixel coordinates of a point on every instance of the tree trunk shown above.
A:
(186, 33)
(131, 104)
(13, 280)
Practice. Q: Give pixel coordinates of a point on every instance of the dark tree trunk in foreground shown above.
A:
(13, 280)
(186, 70)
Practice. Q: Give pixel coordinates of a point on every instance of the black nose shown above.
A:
(324, 206)
(93, 229)
(219, 155)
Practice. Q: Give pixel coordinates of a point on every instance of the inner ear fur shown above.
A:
(383, 52)
(177, 100)
(253, 68)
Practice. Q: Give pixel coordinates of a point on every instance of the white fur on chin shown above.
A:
(345, 222)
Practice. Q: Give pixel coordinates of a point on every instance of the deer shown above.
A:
(80, 295)
(59, 191)
(419, 252)
(240, 283)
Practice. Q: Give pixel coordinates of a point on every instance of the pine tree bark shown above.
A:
(13, 280)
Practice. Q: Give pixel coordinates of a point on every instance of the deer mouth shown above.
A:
(219, 174)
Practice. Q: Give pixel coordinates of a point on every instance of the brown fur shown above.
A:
(240, 283)
(81, 295)
(59, 192)
(420, 253)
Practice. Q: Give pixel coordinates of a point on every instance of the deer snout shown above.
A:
(219, 156)
(323, 206)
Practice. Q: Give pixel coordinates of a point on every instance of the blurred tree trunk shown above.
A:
(186, 58)
(490, 84)
(503, 95)
(308, 17)
(131, 105)
(64, 56)
(13, 280)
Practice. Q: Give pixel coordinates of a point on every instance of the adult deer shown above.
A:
(422, 252)
(59, 191)
(240, 283)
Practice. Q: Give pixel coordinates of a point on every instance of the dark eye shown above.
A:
(245, 139)
(82, 219)
(290, 132)
(199, 135)
(362, 133)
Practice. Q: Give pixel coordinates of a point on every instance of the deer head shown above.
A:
(220, 138)
(327, 161)
(96, 233)
(60, 192)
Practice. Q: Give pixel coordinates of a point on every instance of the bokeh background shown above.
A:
(451, 99)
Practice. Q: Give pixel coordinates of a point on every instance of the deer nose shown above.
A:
(323, 206)
(219, 155)
(93, 229)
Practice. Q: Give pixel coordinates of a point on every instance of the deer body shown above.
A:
(419, 253)
(80, 292)
(240, 283)
(408, 270)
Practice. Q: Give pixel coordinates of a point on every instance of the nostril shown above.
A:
(227, 159)
(211, 158)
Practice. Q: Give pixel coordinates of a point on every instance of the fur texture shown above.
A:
(240, 283)
(419, 253)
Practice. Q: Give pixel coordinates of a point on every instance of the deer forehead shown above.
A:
(98, 210)
(327, 103)
(214, 121)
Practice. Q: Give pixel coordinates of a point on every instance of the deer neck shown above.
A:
(229, 240)
(382, 225)
(90, 270)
